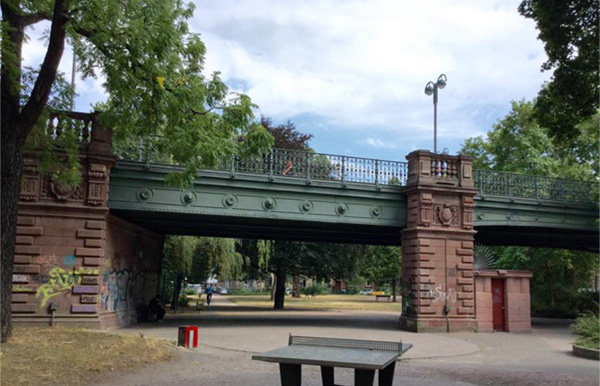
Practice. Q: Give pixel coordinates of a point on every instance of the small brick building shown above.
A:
(502, 301)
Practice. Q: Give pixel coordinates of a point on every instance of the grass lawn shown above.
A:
(68, 356)
(329, 302)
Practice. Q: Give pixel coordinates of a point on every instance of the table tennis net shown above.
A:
(345, 343)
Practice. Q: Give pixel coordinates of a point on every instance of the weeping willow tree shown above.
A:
(178, 255)
(194, 259)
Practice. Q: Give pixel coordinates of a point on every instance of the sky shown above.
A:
(353, 73)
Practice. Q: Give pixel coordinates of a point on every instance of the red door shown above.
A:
(498, 304)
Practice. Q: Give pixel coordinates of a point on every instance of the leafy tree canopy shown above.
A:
(569, 30)
(152, 66)
(286, 135)
(382, 264)
(517, 143)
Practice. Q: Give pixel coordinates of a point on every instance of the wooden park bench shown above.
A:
(364, 356)
(377, 297)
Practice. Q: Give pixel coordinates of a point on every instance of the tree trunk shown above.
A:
(12, 156)
(394, 283)
(295, 286)
(279, 289)
(12, 164)
(548, 274)
(16, 124)
(177, 290)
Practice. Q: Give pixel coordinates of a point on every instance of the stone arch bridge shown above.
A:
(91, 254)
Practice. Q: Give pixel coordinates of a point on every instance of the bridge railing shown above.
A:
(535, 187)
(309, 166)
(306, 165)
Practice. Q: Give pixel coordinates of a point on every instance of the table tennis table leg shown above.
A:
(291, 375)
(327, 376)
(364, 377)
(386, 376)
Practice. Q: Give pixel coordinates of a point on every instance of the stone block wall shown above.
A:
(55, 266)
(516, 299)
(130, 272)
(70, 252)
(437, 244)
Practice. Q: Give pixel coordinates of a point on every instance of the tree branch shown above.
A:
(33, 18)
(43, 85)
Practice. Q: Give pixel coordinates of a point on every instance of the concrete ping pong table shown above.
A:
(364, 356)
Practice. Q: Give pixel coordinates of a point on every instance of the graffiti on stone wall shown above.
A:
(60, 280)
(122, 290)
(437, 294)
(69, 261)
(22, 288)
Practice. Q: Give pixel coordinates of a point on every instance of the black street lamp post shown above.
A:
(432, 88)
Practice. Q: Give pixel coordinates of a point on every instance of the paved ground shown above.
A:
(229, 334)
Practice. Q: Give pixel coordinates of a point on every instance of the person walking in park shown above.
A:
(209, 292)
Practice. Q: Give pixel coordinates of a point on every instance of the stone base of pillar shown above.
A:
(436, 324)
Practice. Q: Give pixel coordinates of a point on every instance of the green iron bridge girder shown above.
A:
(342, 204)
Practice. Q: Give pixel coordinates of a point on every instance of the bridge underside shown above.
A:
(277, 229)
(528, 236)
(256, 206)
(258, 228)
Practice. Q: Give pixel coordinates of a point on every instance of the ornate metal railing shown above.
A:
(311, 166)
(537, 187)
(305, 165)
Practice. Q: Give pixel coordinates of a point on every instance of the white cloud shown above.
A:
(363, 65)
(378, 143)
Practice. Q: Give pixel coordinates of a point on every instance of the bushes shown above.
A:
(315, 289)
(568, 302)
(183, 300)
(246, 291)
(588, 327)
(190, 291)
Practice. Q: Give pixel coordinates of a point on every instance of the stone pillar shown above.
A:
(437, 244)
(61, 232)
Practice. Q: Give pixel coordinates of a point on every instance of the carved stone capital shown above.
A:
(97, 184)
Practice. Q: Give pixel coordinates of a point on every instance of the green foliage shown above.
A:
(264, 249)
(153, 69)
(216, 256)
(587, 326)
(183, 299)
(381, 264)
(395, 181)
(515, 144)
(178, 253)
(316, 289)
(561, 278)
(190, 291)
(246, 291)
(569, 30)
(518, 143)
(64, 165)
